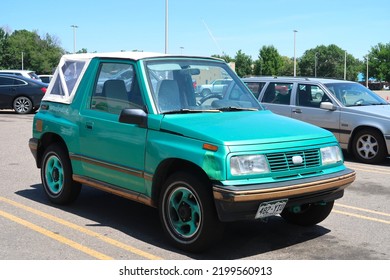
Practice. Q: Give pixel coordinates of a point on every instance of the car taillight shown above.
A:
(43, 89)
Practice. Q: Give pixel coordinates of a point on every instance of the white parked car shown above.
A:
(45, 78)
(24, 73)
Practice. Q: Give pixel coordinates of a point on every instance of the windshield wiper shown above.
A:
(187, 111)
(233, 109)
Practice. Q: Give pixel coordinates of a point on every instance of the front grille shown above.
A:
(284, 161)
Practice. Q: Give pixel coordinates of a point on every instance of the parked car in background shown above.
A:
(358, 117)
(45, 78)
(147, 137)
(21, 94)
(24, 73)
(216, 86)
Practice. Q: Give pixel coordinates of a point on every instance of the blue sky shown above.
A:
(205, 27)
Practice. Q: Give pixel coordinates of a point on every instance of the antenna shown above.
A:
(212, 37)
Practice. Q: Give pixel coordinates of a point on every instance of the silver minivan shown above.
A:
(358, 117)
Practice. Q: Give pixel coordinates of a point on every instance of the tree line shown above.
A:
(27, 50)
(322, 61)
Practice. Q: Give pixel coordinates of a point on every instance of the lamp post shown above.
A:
(166, 26)
(345, 65)
(74, 37)
(315, 65)
(295, 58)
(367, 72)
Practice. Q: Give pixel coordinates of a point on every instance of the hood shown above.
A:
(238, 128)
(380, 111)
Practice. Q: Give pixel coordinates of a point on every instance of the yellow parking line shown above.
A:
(83, 230)
(361, 217)
(56, 237)
(363, 210)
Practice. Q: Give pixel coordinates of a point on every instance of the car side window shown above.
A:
(278, 93)
(310, 96)
(4, 81)
(116, 88)
(255, 87)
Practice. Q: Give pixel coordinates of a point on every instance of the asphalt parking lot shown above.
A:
(103, 226)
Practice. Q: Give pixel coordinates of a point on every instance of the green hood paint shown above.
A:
(241, 128)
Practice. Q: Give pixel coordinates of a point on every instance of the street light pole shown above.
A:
(166, 26)
(295, 58)
(345, 65)
(367, 72)
(315, 65)
(74, 37)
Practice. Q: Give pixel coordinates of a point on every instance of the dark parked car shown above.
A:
(21, 94)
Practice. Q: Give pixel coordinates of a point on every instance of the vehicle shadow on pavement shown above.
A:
(240, 239)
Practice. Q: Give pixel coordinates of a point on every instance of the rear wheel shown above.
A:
(307, 214)
(369, 146)
(187, 212)
(56, 175)
(22, 105)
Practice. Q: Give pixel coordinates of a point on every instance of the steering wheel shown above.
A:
(210, 96)
(359, 101)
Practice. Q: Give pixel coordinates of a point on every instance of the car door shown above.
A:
(306, 107)
(113, 151)
(7, 92)
(276, 97)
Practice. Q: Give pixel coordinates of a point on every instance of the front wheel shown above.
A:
(56, 175)
(307, 214)
(369, 146)
(187, 212)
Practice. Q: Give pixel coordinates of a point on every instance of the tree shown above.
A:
(379, 62)
(3, 44)
(243, 64)
(287, 68)
(329, 62)
(27, 50)
(225, 57)
(270, 62)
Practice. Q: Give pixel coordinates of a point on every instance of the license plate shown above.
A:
(270, 208)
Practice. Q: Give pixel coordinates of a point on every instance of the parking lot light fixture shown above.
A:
(295, 58)
(74, 37)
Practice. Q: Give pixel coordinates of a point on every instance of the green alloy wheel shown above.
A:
(187, 212)
(56, 174)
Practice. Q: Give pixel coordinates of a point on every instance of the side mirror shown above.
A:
(134, 116)
(328, 106)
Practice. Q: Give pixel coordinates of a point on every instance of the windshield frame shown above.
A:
(186, 68)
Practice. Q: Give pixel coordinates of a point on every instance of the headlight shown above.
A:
(247, 165)
(331, 155)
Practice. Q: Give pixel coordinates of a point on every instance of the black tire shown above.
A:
(307, 214)
(187, 212)
(22, 105)
(368, 146)
(205, 92)
(56, 176)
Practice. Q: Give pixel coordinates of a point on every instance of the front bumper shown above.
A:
(241, 202)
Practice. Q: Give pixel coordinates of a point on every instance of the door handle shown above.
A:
(298, 111)
(89, 125)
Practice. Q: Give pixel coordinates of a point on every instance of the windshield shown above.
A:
(197, 85)
(355, 94)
